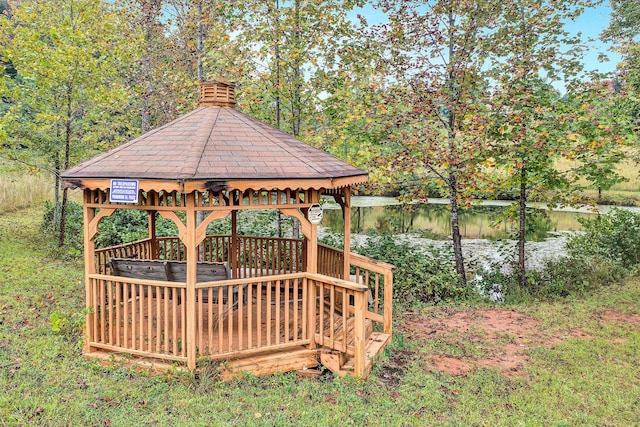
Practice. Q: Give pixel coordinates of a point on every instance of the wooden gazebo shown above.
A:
(260, 303)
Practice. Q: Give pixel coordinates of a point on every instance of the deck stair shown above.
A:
(339, 363)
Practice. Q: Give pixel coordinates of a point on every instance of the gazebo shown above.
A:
(260, 304)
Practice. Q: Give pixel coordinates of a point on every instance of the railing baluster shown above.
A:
(152, 290)
(259, 314)
(287, 308)
(250, 308)
(220, 321)
(240, 315)
(158, 317)
(118, 313)
(277, 308)
(268, 302)
(210, 318)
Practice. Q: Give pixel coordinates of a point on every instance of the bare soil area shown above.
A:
(491, 339)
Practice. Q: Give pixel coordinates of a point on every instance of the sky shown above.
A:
(590, 25)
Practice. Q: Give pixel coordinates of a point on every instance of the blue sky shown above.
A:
(590, 25)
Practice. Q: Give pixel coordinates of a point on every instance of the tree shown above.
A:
(67, 90)
(292, 42)
(528, 116)
(623, 32)
(599, 143)
(436, 52)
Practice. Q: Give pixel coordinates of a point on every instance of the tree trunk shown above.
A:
(452, 179)
(63, 219)
(200, 72)
(455, 228)
(66, 161)
(278, 101)
(56, 192)
(296, 99)
(278, 66)
(200, 40)
(599, 201)
(522, 275)
(279, 222)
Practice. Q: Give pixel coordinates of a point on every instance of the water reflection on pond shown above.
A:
(432, 220)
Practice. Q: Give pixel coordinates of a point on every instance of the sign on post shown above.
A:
(124, 191)
(315, 214)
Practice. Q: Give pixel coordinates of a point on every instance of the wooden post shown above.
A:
(359, 358)
(312, 267)
(192, 266)
(311, 235)
(152, 235)
(89, 266)
(388, 301)
(346, 216)
(233, 250)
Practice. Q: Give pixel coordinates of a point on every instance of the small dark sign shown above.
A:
(124, 191)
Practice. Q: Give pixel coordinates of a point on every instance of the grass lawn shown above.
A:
(573, 362)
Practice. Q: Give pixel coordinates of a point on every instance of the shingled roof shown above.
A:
(215, 143)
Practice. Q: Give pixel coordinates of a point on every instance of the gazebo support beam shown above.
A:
(152, 233)
(89, 268)
(233, 251)
(345, 205)
(346, 216)
(192, 260)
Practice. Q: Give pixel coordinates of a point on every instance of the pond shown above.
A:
(376, 215)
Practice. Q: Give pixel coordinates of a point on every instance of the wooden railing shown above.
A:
(272, 305)
(254, 256)
(340, 310)
(376, 275)
(170, 248)
(262, 256)
(216, 248)
(262, 314)
(137, 316)
(142, 249)
(330, 261)
(234, 318)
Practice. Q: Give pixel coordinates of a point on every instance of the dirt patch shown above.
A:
(619, 317)
(501, 336)
(460, 342)
(468, 340)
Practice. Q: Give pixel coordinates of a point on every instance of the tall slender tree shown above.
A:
(67, 90)
(528, 117)
(436, 52)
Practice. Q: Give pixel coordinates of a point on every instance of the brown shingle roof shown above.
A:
(214, 144)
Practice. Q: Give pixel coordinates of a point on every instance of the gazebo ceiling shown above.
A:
(217, 144)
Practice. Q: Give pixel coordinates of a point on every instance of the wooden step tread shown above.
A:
(374, 346)
(269, 364)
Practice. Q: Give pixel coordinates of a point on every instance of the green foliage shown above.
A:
(559, 278)
(130, 225)
(262, 222)
(614, 236)
(74, 236)
(124, 226)
(68, 324)
(419, 276)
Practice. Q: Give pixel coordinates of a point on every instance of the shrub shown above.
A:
(419, 276)
(564, 277)
(614, 236)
